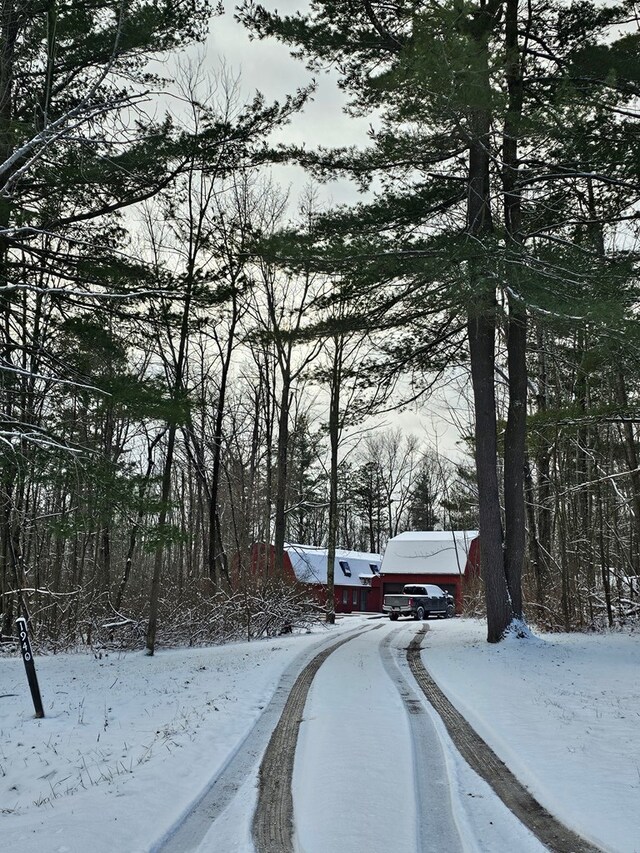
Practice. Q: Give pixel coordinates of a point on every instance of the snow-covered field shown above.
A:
(129, 742)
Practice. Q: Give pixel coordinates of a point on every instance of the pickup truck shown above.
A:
(420, 601)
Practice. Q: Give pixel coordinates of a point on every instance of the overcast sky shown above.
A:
(268, 67)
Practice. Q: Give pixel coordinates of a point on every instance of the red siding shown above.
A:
(472, 568)
(262, 562)
(451, 583)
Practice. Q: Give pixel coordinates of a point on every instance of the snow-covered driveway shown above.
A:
(130, 744)
(353, 762)
(375, 770)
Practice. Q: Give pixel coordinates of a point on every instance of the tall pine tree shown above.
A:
(471, 100)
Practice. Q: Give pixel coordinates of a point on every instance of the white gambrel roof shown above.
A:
(428, 552)
(310, 565)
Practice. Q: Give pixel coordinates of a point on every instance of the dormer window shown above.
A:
(374, 568)
(346, 569)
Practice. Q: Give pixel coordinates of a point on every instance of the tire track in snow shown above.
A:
(437, 828)
(191, 829)
(273, 819)
(479, 755)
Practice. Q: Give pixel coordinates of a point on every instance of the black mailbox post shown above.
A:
(29, 665)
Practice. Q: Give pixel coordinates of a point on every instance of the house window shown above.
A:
(346, 568)
(355, 596)
(345, 596)
(374, 568)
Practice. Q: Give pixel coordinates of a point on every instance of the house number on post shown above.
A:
(29, 665)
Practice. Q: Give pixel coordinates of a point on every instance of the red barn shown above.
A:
(442, 557)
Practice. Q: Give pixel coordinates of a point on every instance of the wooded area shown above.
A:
(184, 373)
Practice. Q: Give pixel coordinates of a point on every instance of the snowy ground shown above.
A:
(129, 742)
(562, 711)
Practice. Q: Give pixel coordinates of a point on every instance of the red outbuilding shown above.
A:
(353, 574)
(361, 580)
(442, 557)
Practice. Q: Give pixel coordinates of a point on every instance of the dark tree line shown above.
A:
(181, 377)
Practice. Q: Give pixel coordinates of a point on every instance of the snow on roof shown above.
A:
(428, 552)
(310, 565)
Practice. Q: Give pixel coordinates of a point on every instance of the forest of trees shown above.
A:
(187, 367)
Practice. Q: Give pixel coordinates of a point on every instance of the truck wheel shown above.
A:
(420, 613)
(393, 616)
(451, 611)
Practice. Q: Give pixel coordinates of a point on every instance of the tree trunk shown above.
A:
(481, 330)
(515, 434)
(154, 598)
(280, 520)
(334, 436)
(481, 346)
(514, 456)
(217, 557)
